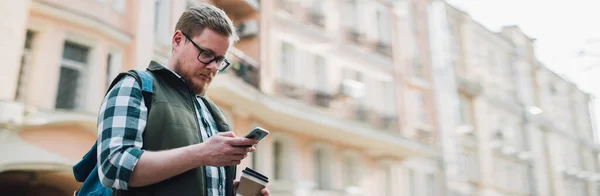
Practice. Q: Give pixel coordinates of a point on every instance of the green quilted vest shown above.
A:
(172, 123)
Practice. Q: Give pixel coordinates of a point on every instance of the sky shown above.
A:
(562, 28)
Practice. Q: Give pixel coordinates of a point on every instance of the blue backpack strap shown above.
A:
(86, 170)
(145, 79)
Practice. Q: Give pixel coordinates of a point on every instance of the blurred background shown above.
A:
(362, 97)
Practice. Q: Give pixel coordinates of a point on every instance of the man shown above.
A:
(180, 146)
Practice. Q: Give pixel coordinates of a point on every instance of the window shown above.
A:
(499, 173)
(162, 20)
(492, 61)
(384, 30)
(412, 183)
(466, 110)
(387, 169)
(119, 5)
(113, 66)
(350, 170)
(316, 7)
(278, 160)
(352, 14)
(431, 188)
(321, 168)
(389, 98)
(552, 89)
(25, 67)
(109, 70)
(417, 66)
(419, 104)
(472, 165)
(315, 12)
(321, 73)
(72, 73)
(287, 5)
(526, 178)
(287, 61)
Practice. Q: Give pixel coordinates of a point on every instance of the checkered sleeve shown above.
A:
(121, 122)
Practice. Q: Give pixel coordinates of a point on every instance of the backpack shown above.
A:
(86, 170)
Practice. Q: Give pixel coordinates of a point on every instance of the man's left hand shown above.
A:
(264, 191)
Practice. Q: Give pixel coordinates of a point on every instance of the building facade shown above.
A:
(362, 97)
(516, 133)
(348, 107)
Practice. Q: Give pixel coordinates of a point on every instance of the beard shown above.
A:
(188, 78)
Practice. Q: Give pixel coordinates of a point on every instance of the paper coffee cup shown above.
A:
(251, 183)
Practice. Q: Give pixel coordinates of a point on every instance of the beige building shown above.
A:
(362, 97)
(347, 100)
(522, 130)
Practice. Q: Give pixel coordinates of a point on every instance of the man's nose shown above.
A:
(212, 66)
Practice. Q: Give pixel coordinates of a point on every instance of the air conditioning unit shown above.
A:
(352, 88)
(248, 28)
(11, 113)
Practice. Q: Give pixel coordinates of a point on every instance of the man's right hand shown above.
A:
(220, 149)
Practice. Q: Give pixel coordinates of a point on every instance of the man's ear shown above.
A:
(177, 39)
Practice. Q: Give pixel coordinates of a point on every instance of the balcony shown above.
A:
(383, 48)
(423, 133)
(338, 106)
(468, 85)
(308, 96)
(375, 118)
(285, 5)
(314, 121)
(354, 36)
(244, 68)
(290, 90)
(238, 8)
(316, 18)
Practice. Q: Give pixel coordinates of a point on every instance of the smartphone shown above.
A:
(257, 133)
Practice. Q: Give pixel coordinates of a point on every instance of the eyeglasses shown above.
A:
(208, 57)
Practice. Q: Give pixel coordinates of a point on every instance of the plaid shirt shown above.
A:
(121, 122)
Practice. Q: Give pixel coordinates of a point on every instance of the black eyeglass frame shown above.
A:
(214, 57)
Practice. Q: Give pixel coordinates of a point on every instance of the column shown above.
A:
(13, 26)
(45, 66)
(144, 35)
(555, 144)
(96, 85)
(266, 50)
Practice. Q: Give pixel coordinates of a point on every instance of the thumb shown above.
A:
(236, 183)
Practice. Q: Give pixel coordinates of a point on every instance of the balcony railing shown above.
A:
(354, 36)
(376, 118)
(288, 6)
(316, 18)
(468, 84)
(244, 67)
(238, 8)
(339, 106)
(309, 96)
(322, 99)
(424, 133)
(383, 48)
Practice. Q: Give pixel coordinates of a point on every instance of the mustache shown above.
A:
(209, 74)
